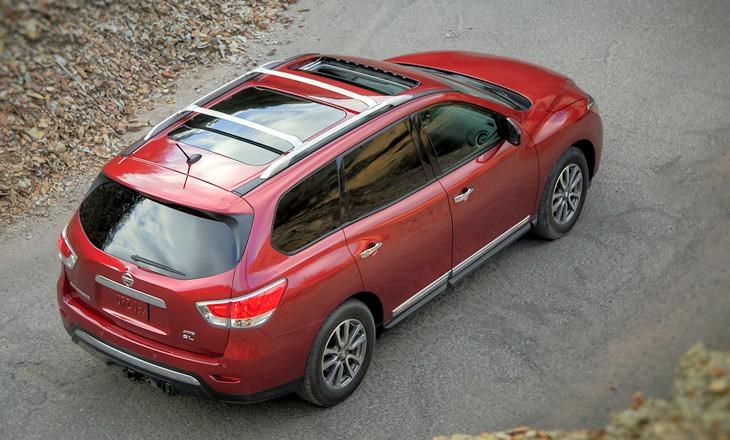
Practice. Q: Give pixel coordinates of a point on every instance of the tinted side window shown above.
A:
(458, 132)
(382, 170)
(308, 211)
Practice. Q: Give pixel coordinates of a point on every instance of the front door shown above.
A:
(400, 230)
(491, 184)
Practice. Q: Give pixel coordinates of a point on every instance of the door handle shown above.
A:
(463, 196)
(371, 250)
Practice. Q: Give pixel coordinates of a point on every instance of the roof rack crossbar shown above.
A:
(208, 97)
(286, 160)
(369, 102)
(292, 140)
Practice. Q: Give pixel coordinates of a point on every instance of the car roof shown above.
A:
(341, 90)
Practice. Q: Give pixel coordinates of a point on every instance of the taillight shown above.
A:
(65, 251)
(245, 311)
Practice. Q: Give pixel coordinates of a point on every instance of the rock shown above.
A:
(699, 408)
(30, 28)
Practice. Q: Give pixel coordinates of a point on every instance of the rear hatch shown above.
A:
(143, 263)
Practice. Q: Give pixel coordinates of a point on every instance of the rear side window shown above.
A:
(458, 132)
(382, 170)
(168, 239)
(308, 211)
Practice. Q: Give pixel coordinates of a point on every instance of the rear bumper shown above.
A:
(254, 366)
(183, 382)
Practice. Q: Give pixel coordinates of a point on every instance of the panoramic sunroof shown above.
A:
(284, 113)
(367, 77)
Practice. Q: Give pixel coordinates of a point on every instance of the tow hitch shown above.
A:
(136, 376)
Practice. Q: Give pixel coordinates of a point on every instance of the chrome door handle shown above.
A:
(371, 250)
(463, 196)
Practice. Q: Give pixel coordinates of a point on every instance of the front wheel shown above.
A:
(340, 355)
(563, 196)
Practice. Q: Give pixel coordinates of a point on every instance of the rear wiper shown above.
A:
(156, 264)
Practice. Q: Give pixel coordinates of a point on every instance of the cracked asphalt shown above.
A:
(548, 334)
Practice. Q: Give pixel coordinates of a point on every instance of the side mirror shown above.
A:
(512, 131)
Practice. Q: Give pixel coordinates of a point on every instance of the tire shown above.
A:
(320, 385)
(549, 224)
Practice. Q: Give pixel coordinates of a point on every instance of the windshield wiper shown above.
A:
(156, 264)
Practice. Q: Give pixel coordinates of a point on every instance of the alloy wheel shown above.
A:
(567, 193)
(344, 354)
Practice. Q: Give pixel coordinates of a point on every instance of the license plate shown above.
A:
(131, 307)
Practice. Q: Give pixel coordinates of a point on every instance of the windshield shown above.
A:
(172, 240)
(477, 87)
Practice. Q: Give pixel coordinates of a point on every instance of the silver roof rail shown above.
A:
(209, 96)
(283, 162)
(368, 101)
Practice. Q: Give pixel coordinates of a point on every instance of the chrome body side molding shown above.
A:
(119, 355)
(492, 244)
(132, 293)
(460, 269)
(438, 282)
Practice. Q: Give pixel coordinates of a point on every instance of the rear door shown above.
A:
(399, 227)
(491, 184)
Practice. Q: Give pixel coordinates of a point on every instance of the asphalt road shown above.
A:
(550, 334)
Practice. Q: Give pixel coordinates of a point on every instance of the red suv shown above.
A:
(256, 242)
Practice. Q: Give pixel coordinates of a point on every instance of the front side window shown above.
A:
(458, 132)
(382, 170)
(308, 211)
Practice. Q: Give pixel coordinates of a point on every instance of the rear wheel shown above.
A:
(340, 355)
(563, 196)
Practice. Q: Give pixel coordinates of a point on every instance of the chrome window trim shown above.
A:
(133, 293)
(290, 139)
(368, 101)
(421, 293)
(134, 360)
(491, 245)
(283, 161)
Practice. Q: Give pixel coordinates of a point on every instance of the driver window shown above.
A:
(458, 132)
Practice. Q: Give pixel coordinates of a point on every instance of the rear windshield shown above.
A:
(168, 239)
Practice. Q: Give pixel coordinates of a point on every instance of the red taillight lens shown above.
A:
(66, 252)
(244, 311)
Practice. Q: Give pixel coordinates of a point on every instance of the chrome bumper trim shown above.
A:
(134, 361)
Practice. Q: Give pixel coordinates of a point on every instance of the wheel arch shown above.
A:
(373, 302)
(589, 151)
